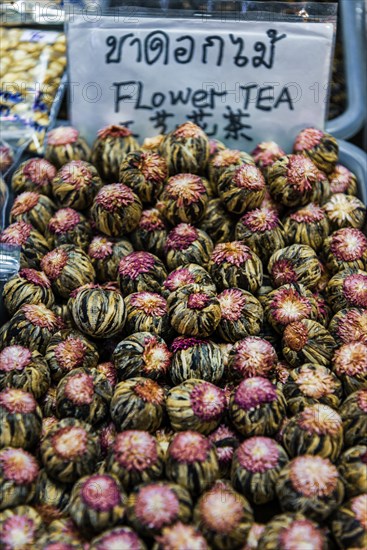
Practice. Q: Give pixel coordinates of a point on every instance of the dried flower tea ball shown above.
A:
(68, 268)
(141, 354)
(33, 245)
(265, 154)
(252, 356)
(6, 157)
(320, 147)
(291, 532)
(189, 274)
(151, 233)
(21, 419)
(24, 369)
(241, 189)
(257, 407)
(97, 502)
(223, 516)
(345, 211)
(137, 404)
(195, 358)
(349, 524)
(343, 180)
(147, 312)
(106, 254)
(119, 537)
(186, 149)
(307, 225)
(307, 341)
(297, 263)
(192, 461)
(69, 450)
(310, 485)
(194, 310)
(241, 315)
(33, 208)
(184, 199)
(18, 476)
(353, 412)
(352, 466)
(226, 159)
(235, 265)
(180, 536)
(113, 143)
(51, 498)
(84, 394)
(139, 272)
(255, 468)
(187, 244)
(225, 442)
(217, 222)
(116, 210)
(64, 144)
(134, 458)
(311, 384)
(20, 528)
(35, 174)
(153, 506)
(28, 286)
(348, 288)
(346, 248)
(349, 325)
(262, 231)
(31, 326)
(76, 184)
(98, 310)
(196, 405)
(145, 173)
(67, 226)
(350, 365)
(152, 143)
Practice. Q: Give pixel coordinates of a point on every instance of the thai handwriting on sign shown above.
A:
(160, 47)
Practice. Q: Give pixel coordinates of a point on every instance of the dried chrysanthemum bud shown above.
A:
(18, 476)
(137, 404)
(192, 461)
(348, 288)
(252, 356)
(354, 415)
(187, 244)
(112, 144)
(180, 535)
(256, 466)
(97, 502)
(28, 286)
(116, 210)
(217, 222)
(65, 144)
(21, 419)
(119, 537)
(33, 208)
(84, 394)
(153, 506)
(291, 531)
(195, 358)
(257, 407)
(147, 312)
(135, 457)
(345, 248)
(145, 173)
(76, 184)
(33, 245)
(223, 516)
(195, 405)
(226, 159)
(242, 188)
(350, 365)
(152, 143)
(141, 354)
(320, 147)
(349, 524)
(194, 310)
(68, 268)
(35, 174)
(186, 149)
(68, 226)
(310, 485)
(262, 231)
(308, 225)
(235, 265)
(343, 180)
(20, 528)
(24, 369)
(345, 211)
(307, 341)
(297, 263)
(241, 315)
(349, 325)
(265, 154)
(352, 465)
(189, 274)
(139, 272)
(225, 442)
(106, 255)
(151, 233)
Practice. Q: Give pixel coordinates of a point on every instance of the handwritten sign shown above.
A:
(241, 81)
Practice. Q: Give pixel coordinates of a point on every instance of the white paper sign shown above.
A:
(241, 81)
